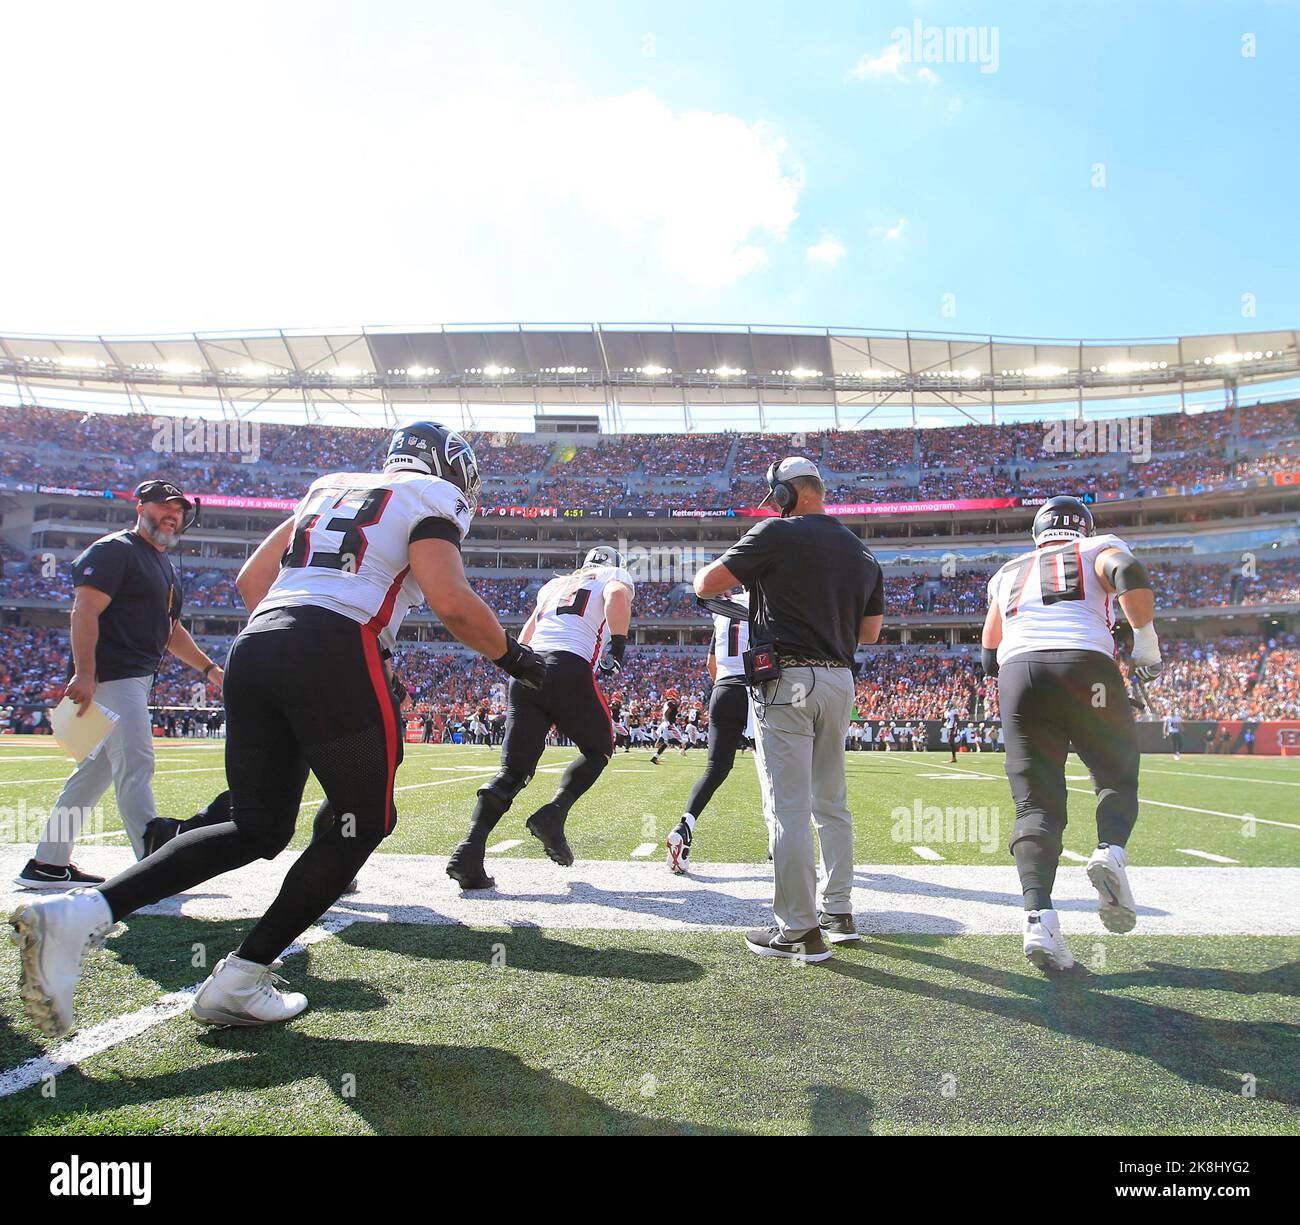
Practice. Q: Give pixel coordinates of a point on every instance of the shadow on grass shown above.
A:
(397, 1088)
(1201, 1050)
(524, 948)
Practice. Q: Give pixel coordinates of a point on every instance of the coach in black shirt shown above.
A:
(816, 592)
(125, 616)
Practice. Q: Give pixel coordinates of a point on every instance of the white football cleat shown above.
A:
(1115, 902)
(1044, 944)
(679, 849)
(241, 992)
(54, 933)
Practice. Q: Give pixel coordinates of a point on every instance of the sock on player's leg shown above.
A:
(312, 886)
(1116, 814)
(488, 810)
(180, 865)
(1036, 862)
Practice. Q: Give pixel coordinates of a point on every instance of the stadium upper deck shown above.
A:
(1193, 493)
(637, 373)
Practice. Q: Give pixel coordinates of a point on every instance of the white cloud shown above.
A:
(954, 107)
(892, 233)
(887, 63)
(927, 76)
(701, 190)
(829, 251)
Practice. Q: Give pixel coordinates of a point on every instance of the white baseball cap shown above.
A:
(789, 468)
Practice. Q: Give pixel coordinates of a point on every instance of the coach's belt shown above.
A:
(800, 661)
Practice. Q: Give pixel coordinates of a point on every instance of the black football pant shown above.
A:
(570, 702)
(728, 714)
(1051, 700)
(305, 689)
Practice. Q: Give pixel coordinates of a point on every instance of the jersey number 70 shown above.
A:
(1060, 576)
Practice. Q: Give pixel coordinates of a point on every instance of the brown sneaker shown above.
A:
(806, 946)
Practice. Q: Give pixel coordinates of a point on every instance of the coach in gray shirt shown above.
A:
(816, 592)
(125, 615)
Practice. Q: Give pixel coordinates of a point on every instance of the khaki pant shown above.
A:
(125, 761)
(802, 720)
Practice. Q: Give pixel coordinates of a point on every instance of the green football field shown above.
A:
(631, 1010)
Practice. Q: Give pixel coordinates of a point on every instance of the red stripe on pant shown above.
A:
(375, 667)
(608, 716)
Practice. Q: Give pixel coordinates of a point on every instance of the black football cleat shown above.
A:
(159, 832)
(465, 867)
(547, 826)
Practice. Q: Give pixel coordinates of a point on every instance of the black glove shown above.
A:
(1148, 672)
(610, 664)
(523, 663)
(400, 691)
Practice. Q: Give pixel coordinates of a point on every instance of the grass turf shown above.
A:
(415, 1029)
(634, 803)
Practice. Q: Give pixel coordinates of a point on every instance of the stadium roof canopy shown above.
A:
(700, 371)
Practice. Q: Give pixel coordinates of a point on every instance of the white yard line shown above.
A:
(1183, 850)
(645, 850)
(1227, 778)
(63, 778)
(507, 844)
(926, 852)
(1209, 812)
(107, 1034)
(1074, 857)
(938, 899)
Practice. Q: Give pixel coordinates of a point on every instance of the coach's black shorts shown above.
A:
(305, 690)
(567, 700)
(1049, 701)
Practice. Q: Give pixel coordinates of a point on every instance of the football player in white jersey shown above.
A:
(305, 689)
(567, 631)
(729, 714)
(1048, 639)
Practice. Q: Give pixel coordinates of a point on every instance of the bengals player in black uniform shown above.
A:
(668, 726)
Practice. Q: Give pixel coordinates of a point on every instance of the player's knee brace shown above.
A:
(503, 789)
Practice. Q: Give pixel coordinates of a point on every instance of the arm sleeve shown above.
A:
(751, 555)
(435, 528)
(102, 566)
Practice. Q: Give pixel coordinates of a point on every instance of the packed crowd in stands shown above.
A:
(97, 450)
(1182, 584)
(564, 489)
(1231, 678)
(685, 454)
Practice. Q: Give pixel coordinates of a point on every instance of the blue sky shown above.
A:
(1118, 170)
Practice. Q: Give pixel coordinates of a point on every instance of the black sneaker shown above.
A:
(465, 867)
(838, 928)
(159, 832)
(547, 826)
(53, 878)
(768, 942)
